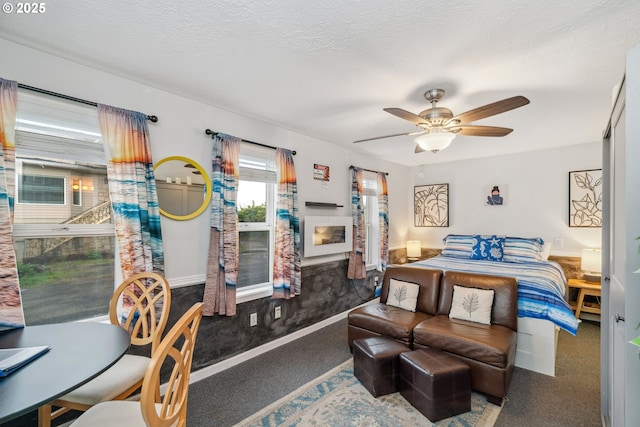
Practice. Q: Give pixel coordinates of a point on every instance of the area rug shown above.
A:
(338, 399)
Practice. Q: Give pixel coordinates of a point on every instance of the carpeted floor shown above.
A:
(338, 399)
(572, 398)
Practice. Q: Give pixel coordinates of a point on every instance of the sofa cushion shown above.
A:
(403, 294)
(428, 279)
(386, 320)
(471, 304)
(505, 300)
(491, 344)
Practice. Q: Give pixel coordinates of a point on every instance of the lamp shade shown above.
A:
(413, 249)
(435, 140)
(591, 260)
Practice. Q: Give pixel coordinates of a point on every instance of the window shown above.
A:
(41, 189)
(76, 189)
(256, 212)
(371, 218)
(63, 231)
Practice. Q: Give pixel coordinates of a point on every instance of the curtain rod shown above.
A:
(368, 170)
(214, 133)
(153, 119)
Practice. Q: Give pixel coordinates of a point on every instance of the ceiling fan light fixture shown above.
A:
(435, 140)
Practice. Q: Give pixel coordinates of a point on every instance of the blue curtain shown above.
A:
(222, 264)
(286, 263)
(357, 268)
(11, 313)
(132, 189)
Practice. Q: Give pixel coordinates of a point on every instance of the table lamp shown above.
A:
(413, 250)
(591, 264)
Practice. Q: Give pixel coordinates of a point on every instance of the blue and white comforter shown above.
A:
(541, 286)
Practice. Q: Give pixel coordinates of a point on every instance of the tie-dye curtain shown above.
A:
(357, 268)
(383, 220)
(11, 314)
(132, 189)
(222, 264)
(286, 263)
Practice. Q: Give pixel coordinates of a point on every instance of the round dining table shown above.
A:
(79, 352)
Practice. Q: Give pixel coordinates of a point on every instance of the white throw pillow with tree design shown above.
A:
(472, 304)
(403, 294)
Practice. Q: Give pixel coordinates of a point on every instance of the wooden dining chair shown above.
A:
(148, 300)
(160, 405)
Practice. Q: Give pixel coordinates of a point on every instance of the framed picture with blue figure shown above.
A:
(494, 195)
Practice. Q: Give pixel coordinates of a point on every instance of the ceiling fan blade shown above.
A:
(419, 149)
(491, 109)
(404, 114)
(387, 136)
(473, 130)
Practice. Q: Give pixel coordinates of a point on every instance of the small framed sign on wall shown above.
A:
(585, 198)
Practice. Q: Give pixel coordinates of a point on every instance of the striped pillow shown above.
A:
(520, 249)
(458, 246)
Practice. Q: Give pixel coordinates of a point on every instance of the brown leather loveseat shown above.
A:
(488, 349)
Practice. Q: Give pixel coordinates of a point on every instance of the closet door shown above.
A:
(621, 284)
(613, 325)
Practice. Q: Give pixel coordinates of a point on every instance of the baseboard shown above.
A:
(249, 354)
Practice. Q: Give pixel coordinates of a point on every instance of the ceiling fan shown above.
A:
(438, 126)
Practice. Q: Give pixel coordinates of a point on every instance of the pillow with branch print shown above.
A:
(403, 294)
(472, 304)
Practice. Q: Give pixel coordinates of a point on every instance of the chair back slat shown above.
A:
(145, 298)
(176, 352)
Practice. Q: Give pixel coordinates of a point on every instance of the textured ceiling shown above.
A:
(327, 68)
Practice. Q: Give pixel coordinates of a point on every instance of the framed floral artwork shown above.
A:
(431, 205)
(585, 198)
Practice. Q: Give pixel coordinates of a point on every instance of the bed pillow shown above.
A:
(546, 250)
(458, 246)
(520, 249)
(403, 294)
(472, 304)
(487, 247)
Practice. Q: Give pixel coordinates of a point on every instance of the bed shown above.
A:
(542, 285)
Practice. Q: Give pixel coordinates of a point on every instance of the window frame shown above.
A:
(372, 222)
(19, 190)
(250, 152)
(53, 132)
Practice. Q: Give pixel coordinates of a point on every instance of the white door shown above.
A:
(621, 285)
(615, 277)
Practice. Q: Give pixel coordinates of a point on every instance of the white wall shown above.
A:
(537, 181)
(537, 187)
(180, 131)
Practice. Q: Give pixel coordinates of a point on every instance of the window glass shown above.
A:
(370, 203)
(63, 228)
(256, 211)
(40, 189)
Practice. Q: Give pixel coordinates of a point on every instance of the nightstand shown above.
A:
(585, 288)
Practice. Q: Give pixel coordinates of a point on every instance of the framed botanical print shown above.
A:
(431, 205)
(585, 198)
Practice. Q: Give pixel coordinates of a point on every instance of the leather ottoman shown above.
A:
(375, 363)
(436, 384)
